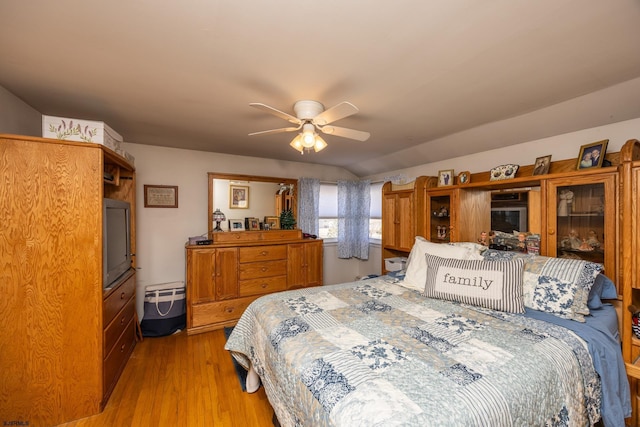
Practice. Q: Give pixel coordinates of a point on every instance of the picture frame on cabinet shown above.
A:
(464, 178)
(236, 225)
(542, 164)
(445, 178)
(238, 196)
(592, 155)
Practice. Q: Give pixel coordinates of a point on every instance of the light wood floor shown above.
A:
(181, 380)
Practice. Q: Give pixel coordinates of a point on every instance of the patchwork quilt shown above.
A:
(373, 353)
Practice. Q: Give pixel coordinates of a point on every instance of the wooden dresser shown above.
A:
(225, 277)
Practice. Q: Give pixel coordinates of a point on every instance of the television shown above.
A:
(509, 219)
(116, 240)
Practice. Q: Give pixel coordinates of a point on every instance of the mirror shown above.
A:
(248, 196)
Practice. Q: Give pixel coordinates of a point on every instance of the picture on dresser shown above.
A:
(252, 224)
(236, 225)
(272, 222)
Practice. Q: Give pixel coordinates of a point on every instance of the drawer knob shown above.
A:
(264, 269)
(122, 348)
(264, 253)
(122, 295)
(229, 309)
(264, 286)
(122, 320)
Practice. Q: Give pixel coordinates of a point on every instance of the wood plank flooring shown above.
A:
(181, 380)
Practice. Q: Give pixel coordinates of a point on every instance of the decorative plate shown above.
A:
(503, 172)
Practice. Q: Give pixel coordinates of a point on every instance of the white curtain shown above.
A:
(308, 205)
(354, 199)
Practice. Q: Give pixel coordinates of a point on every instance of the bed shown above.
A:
(392, 352)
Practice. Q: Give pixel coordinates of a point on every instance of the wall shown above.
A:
(17, 117)
(565, 146)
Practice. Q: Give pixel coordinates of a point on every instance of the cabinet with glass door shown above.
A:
(440, 215)
(581, 219)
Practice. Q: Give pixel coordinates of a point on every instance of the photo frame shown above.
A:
(160, 196)
(464, 178)
(252, 224)
(592, 155)
(238, 196)
(445, 178)
(272, 222)
(541, 166)
(236, 225)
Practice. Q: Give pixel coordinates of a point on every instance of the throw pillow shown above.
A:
(493, 285)
(579, 272)
(417, 265)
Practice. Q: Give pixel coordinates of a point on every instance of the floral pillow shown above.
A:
(551, 295)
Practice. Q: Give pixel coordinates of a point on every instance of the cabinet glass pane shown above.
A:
(581, 222)
(439, 230)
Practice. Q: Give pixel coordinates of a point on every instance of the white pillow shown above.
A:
(416, 275)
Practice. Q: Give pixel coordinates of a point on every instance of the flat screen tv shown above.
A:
(509, 219)
(116, 240)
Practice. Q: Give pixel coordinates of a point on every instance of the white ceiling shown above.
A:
(182, 73)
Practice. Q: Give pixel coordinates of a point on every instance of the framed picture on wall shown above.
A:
(238, 196)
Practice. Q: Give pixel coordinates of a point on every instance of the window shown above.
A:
(328, 227)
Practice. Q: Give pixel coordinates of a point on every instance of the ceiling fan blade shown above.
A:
(346, 133)
(275, 112)
(281, 130)
(335, 113)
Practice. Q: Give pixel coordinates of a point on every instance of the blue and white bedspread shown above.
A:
(373, 353)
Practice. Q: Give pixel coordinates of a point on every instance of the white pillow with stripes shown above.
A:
(489, 284)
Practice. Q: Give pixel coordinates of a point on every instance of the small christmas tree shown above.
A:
(287, 221)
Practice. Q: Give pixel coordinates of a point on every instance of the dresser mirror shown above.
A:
(260, 196)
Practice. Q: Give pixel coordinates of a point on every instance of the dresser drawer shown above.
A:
(255, 270)
(118, 325)
(117, 358)
(218, 312)
(263, 286)
(263, 253)
(117, 299)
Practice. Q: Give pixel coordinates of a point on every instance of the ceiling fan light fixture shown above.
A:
(297, 143)
(308, 135)
(320, 144)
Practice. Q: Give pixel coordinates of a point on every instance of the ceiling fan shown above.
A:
(311, 115)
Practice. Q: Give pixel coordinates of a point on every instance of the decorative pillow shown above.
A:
(551, 295)
(603, 288)
(494, 285)
(417, 265)
(581, 273)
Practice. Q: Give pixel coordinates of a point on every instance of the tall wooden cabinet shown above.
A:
(403, 207)
(225, 277)
(59, 327)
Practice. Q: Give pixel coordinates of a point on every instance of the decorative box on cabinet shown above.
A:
(225, 277)
(58, 329)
